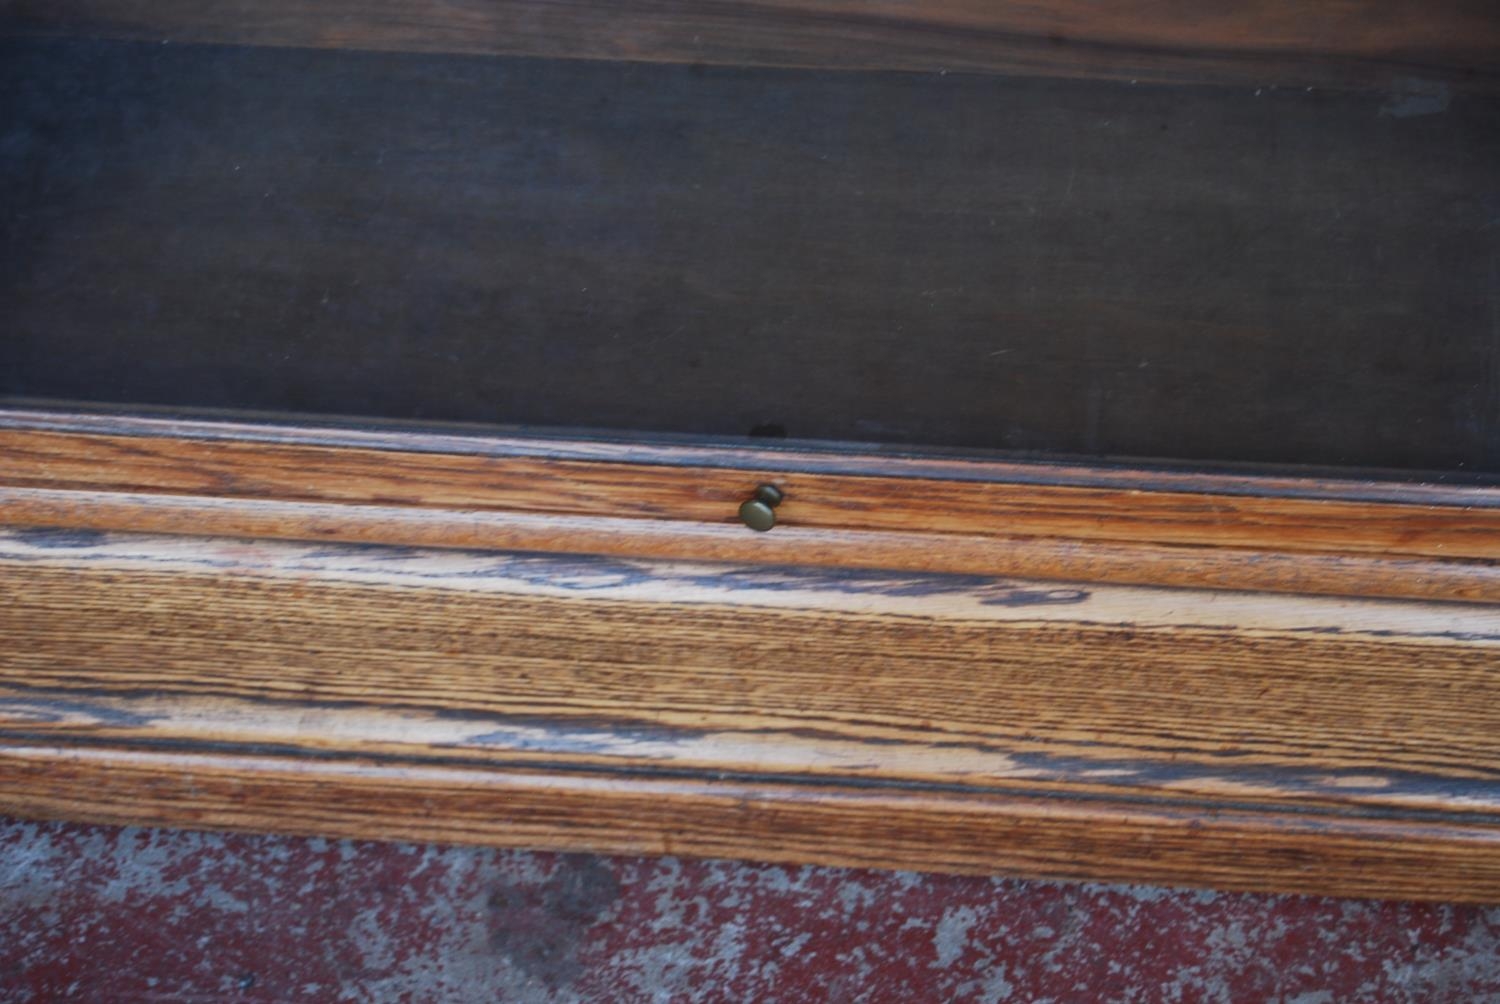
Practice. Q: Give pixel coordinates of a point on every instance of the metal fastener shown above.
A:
(759, 513)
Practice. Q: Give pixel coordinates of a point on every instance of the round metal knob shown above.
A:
(759, 513)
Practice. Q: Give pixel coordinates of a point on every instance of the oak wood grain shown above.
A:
(1228, 531)
(1043, 557)
(872, 718)
(986, 834)
(1267, 42)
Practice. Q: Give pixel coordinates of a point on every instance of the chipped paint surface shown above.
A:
(95, 913)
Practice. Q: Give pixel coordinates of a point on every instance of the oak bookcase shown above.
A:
(383, 381)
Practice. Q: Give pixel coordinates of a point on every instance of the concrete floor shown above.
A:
(101, 914)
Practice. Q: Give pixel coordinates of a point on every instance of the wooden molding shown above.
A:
(1266, 43)
(1241, 681)
(1047, 521)
(842, 716)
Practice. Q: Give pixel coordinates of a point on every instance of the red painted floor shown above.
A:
(101, 914)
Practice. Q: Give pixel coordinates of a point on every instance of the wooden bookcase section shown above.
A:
(1246, 682)
(1243, 237)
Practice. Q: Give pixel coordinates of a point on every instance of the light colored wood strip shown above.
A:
(986, 834)
(1042, 521)
(967, 598)
(1345, 736)
(1030, 557)
(711, 494)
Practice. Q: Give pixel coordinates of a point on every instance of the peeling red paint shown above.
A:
(95, 913)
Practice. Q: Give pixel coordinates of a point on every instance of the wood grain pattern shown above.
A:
(870, 718)
(1266, 42)
(1228, 531)
(1046, 557)
(1002, 834)
(934, 662)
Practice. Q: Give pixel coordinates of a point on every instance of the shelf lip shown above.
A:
(876, 719)
(852, 459)
(1036, 837)
(650, 500)
(1360, 45)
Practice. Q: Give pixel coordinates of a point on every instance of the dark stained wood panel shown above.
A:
(1088, 268)
(841, 716)
(1414, 49)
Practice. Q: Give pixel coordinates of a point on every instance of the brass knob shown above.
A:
(759, 513)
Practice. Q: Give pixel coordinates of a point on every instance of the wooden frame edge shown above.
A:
(1036, 837)
(1303, 535)
(875, 719)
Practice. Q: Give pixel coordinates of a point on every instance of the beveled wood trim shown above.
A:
(656, 450)
(1053, 521)
(1034, 557)
(972, 723)
(984, 834)
(1265, 43)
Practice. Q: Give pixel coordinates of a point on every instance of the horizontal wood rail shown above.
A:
(1239, 681)
(841, 716)
(1364, 43)
(1046, 521)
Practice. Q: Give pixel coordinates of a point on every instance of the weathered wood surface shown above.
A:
(970, 723)
(1206, 274)
(1265, 42)
(971, 516)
